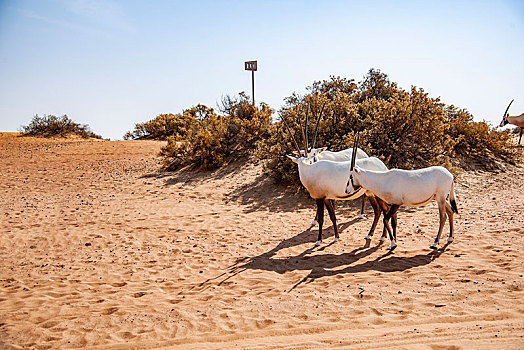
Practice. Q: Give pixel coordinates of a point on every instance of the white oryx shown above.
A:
(326, 181)
(339, 156)
(412, 188)
(517, 120)
(322, 153)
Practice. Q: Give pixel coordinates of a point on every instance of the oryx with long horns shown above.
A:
(413, 188)
(339, 156)
(326, 180)
(517, 120)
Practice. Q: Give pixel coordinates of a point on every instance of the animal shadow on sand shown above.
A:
(190, 174)
(307, 235)
(325, 265)
(256, 194)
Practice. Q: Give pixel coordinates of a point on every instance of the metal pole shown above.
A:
(253, 85)
(252, 66)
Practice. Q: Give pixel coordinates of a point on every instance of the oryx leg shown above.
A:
(384, 208)
(449, 211)
(363, 207)
(320, 218)
(392, 235)
(376, 210)
(384, 233)
(442, 215)
(394, 225)
(520, 137)
(315, 220)
(331, 210)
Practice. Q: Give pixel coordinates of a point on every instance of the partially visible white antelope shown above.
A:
(517, 120)
(326, 181)
(412, 188)
(339, 156)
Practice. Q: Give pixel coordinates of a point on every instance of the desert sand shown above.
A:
(101, 249)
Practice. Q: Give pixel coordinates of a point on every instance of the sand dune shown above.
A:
(99, 249)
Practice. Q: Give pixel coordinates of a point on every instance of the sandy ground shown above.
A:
(99, 249)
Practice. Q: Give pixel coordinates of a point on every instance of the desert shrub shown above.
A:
(211, 139)
(168, 125)
(406, 129)
(248, 124)
(50, 125)
(205, 146)
(377, 85)
(476, 141)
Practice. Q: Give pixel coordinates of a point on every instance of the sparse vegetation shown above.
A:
(406, 129)
(210, 139)
(164, 126)
(50, 125)
(476, 143)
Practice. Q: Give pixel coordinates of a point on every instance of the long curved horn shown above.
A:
(316, 127)
(354, 154)
(505, 113)
(291, 134)
(305, 137)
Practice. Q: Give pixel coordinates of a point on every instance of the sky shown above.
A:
(114, 63)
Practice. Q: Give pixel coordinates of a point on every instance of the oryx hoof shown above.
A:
(314, 223)
(433, 246)
(392, 247)
(381, 239)
(317, 243)
(450, 239)
(336, 240)
(360, 217)
(368, 238)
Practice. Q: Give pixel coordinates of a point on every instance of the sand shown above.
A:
(100, 249)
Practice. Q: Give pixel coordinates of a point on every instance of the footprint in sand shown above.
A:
(126, 335)
(109, 311)
(376, 312)
(49, 324)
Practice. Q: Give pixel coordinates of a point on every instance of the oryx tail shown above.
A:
(452, 199)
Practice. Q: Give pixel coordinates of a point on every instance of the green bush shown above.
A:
(50, 125)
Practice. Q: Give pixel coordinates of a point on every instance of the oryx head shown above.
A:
(505, 116)
(307, 153)
(311, 152)
(350, 187)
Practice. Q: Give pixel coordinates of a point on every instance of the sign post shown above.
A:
(252, 66)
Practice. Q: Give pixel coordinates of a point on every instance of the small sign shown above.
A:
(251, 65)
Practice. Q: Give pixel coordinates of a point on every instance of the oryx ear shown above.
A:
(322, 149)
(356, 170)
(295, 160)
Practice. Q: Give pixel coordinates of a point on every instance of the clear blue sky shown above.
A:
(112, 64)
